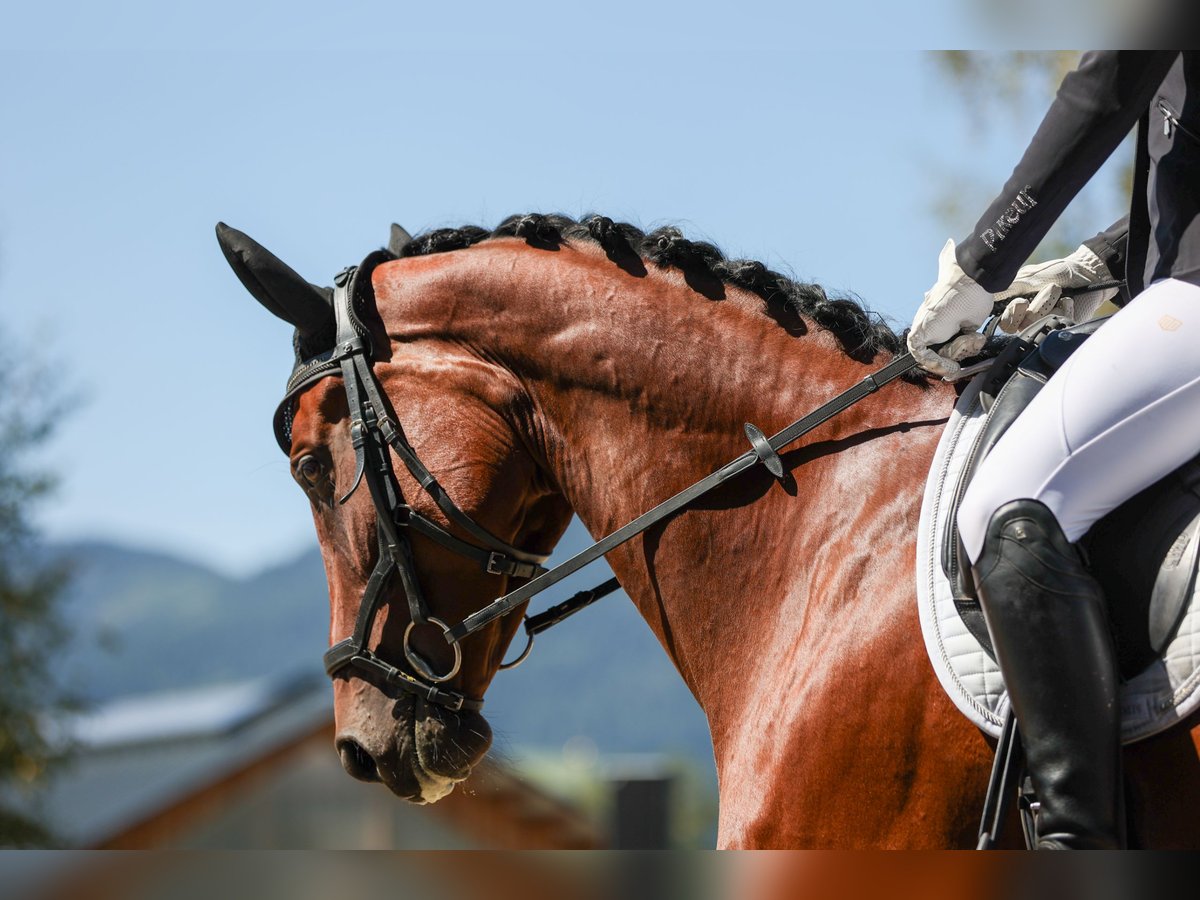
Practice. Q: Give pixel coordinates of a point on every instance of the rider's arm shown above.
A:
(1094, 110)
(1110, 245)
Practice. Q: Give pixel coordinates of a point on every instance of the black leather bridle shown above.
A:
(375, 434)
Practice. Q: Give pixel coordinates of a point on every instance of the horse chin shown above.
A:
(432, 787)
(447, 746)
(409, 779)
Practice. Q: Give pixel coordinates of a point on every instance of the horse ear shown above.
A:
(398, 240)
(274, 284)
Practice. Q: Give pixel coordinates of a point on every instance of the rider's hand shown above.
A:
(1041, 285)
(955, 305)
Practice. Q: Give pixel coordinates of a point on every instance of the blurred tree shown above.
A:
(1011, 77)
(30, 628)
(1012, 90)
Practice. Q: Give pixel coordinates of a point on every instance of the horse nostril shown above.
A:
(357, 762)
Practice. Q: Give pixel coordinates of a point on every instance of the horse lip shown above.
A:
(412, 797)
(415, 760)
(427, 787)
(464, 768)
(421, 769)
(406, 780)
(407, 776)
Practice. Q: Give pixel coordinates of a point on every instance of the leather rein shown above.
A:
(375, 434)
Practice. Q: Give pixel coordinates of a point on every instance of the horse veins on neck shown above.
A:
(777, 603)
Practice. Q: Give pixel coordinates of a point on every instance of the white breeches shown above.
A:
(1121, 413)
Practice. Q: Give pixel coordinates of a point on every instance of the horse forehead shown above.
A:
(318, 409)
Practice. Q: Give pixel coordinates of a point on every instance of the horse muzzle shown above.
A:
(419, 751)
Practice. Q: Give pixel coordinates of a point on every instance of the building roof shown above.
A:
(204, 712)
(187, 768)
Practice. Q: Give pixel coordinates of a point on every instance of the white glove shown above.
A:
(955, 305)
(1042, 284)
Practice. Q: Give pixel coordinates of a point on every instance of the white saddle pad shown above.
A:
(1161, 695)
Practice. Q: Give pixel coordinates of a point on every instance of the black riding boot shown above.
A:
(1048, 624)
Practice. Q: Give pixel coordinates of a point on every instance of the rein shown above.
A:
(762, 450)
(375, 434)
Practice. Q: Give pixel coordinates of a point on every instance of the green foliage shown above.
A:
(1009, 80)
(20, 830)
(1006, 92)
(30, 630)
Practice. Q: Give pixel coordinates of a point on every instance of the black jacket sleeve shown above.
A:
(1096, 106)
(1112, 246)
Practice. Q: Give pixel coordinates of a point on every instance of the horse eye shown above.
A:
(309, 469)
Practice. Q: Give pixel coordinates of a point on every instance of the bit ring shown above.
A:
(504, 666)
(420, 664)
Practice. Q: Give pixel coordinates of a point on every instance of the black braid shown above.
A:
(860, 332)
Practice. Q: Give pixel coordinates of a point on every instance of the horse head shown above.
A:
(457, 413)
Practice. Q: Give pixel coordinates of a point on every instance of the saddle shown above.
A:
(1144, 553)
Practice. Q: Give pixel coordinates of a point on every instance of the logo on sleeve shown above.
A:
(1023, 203)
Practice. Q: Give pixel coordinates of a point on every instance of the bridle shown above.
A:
(375, 434)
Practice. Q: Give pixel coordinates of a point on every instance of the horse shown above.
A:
(550, 367)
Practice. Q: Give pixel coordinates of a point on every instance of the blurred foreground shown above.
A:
(542, 876)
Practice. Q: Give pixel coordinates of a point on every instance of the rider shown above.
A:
(1122, 412)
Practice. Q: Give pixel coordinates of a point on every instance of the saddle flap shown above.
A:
(1008, 387)
(1145, 554)
(1173, 586)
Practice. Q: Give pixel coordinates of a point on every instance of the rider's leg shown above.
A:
(1045, 614)
(1121, 413)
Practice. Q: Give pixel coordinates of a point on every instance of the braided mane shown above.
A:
(860, 333)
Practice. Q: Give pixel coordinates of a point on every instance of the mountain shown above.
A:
(145, 621)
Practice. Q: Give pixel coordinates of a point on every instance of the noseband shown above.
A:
(375, 434)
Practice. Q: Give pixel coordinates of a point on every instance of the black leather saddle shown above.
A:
(1144, 552)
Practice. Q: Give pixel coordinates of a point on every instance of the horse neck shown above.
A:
(640, 387)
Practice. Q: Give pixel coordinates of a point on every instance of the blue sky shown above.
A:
(129, 131)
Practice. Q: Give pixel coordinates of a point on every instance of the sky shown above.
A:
(800, 134)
